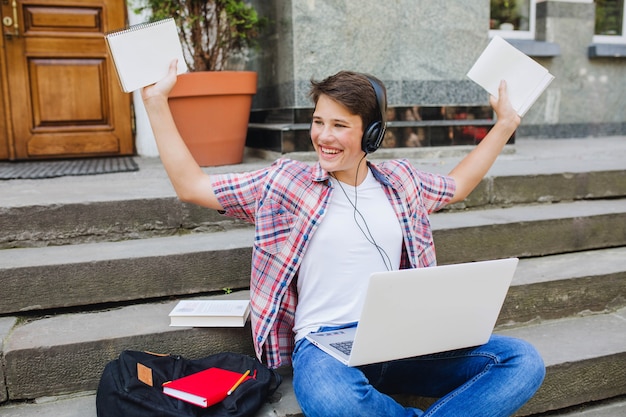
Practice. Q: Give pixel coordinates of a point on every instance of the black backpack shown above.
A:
(121, 393)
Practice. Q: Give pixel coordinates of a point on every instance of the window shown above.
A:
(609, 27)
(512, 18)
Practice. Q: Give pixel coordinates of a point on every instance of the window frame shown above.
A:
(613, 39)
(520, 34)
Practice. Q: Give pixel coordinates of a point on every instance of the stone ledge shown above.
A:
(607, 50)
(536, 48)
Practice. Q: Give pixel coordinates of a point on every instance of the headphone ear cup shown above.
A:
(372, 137)
(375, 132)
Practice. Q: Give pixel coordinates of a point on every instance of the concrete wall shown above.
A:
(587, 95)
(422, 50)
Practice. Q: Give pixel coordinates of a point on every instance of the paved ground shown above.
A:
(83, 405)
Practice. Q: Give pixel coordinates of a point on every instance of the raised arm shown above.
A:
(471, 170)
(190, 183)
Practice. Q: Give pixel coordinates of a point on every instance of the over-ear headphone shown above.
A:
(375, 132)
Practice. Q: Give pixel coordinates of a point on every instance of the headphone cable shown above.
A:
(368, 236)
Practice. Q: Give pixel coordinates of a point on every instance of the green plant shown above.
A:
(213, 32)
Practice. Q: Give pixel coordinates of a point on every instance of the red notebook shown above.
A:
(203, 388)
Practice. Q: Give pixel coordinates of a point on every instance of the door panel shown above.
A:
(72, 103)
(61, 19)
(63, 96)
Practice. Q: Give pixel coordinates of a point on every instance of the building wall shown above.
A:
(587, 95)
(422, 49)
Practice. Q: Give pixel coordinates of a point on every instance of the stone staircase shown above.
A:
(90, 266)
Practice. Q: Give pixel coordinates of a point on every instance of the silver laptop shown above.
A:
(415, 312)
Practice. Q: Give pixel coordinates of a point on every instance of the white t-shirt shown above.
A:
(346, 248)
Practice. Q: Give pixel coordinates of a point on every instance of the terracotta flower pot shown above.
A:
(211, 110)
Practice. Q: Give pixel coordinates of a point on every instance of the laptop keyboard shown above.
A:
(343, 347)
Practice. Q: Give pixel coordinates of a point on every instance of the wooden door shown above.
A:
(61, 97)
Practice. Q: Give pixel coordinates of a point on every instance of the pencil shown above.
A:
(230, 391)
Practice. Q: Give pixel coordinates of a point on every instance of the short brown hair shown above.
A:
(354, 91)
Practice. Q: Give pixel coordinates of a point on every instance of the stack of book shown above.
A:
(210, 313)
(212, 385)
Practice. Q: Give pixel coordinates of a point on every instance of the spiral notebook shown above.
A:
(142, 53)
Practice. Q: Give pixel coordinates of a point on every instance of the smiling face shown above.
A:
(336, 135)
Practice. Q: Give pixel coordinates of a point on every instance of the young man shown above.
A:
(322, 229)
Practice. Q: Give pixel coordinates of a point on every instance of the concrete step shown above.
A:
(113, 220)
(559, 286)
(142, 204)
(583, 273)
(585, 359)
(614, 407)
(544, 287)
(526, 231)
(107, 272)
(66, 353)
(93, 274)
(84, 405)
(106, 220)
(579, 353)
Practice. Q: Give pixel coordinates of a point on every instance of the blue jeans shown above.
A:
(493, 380)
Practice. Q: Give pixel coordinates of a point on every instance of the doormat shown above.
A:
(32, 170)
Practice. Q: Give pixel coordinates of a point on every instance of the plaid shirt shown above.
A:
(287, 201)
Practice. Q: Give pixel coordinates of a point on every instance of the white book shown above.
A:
(526, 79)
(210, 313)
(142, 53)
